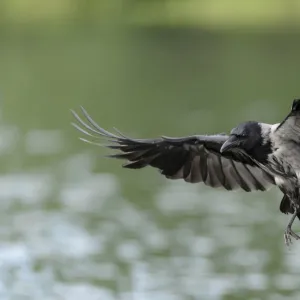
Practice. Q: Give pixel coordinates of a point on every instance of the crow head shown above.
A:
(245, 137)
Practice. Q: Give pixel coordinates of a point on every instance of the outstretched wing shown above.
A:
(194, 158)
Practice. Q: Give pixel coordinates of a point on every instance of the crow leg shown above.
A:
(289, 233)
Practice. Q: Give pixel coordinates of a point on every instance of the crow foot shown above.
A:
(288, 234)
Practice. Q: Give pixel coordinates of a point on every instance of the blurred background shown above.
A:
(75, 225)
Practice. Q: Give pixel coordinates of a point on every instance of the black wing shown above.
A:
(194, 158)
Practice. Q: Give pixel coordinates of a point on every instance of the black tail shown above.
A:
(286, 206)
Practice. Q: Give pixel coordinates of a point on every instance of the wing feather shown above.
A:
(194, 158)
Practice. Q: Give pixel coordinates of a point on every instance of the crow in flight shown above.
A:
(254, 156)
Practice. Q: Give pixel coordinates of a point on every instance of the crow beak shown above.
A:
(231, 143)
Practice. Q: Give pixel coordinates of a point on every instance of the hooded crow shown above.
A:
(254, 156)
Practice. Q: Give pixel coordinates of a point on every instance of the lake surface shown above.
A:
(75, 225)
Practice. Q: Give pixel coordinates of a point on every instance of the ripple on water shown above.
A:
(82, 291)
(9, 137)
(44, 142)
(29, 188)
(89, 193)
(99, 245)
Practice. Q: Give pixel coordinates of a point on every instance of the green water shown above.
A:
(75, 225)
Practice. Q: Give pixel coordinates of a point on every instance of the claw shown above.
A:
(288, 234)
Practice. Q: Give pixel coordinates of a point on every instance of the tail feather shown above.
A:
(286, 205)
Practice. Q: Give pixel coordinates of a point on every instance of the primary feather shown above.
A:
(194, 158)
